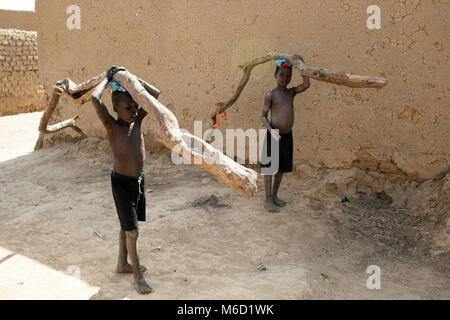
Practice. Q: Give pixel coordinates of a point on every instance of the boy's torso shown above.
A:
(282, 110)
(128, 148)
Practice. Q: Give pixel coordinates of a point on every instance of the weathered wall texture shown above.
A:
(22, 20)
(19, 90)
(191, 51)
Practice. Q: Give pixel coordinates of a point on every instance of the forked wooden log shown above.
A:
(79, 94)
(339, 78)
(187, 146)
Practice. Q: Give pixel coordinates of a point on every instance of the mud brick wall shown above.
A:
(19, 73)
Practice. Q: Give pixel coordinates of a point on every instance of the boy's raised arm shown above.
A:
(153, 91)
(265, 112)
(306, 83)
(150, 89)
(100, 107)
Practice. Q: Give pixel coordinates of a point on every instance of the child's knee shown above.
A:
(132, 234)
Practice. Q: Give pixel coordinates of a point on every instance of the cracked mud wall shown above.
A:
(191, 51)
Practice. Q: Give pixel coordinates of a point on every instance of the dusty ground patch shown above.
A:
(204, 240)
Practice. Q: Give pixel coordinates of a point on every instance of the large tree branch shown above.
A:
(80, 94)
(235, 175)
(339, 78)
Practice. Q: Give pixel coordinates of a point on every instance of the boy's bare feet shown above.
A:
(279, 202)
(271, 207)
(128, 268)
(139, 280)
(141, 285)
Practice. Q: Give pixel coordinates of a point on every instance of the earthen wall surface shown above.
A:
(20, 90)
(21, 20)
(191, 51)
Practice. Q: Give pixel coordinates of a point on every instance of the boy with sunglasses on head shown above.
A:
(127, 176)
(280, 103)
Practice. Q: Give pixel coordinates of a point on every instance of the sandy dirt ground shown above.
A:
(19, 134)
(202, 239)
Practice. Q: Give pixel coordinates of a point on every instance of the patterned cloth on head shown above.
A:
(283, 63)
(115, 86)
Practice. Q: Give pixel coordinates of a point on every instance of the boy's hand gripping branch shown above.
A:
(113, 70)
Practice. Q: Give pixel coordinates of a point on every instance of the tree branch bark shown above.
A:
(214, 161)
(339, 78)
(185, 144)
(80, 94)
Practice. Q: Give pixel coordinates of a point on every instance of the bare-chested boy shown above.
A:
(127, 176)
(280, 103)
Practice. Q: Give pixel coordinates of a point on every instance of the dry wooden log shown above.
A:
(339, 78)
(80, 94)
(235, 175)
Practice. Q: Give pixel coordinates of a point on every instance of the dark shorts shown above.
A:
(129, 197)
(286, 154)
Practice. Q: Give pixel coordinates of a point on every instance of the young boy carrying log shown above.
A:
(280, 103)
(127, 176)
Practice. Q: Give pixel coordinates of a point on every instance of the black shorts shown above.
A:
(129, 197)
(286, 154)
